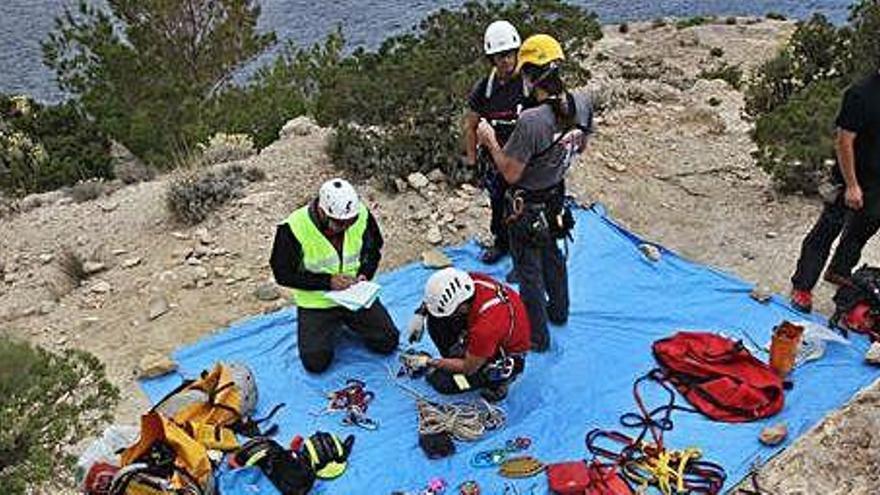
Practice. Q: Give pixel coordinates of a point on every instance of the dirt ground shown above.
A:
(666, 163)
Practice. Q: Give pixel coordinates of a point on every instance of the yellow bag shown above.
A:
(165, 459)
(224, 396)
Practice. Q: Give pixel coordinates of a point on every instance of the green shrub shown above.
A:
(796, 139)
(134, 171)
(795, 96)
(414, 85)
(692, 22)
(48, 403)
(623, 28)
(658, 23)
(716, 52)
(193, 195)
(732, 74)
(86, 190)
(46, 147)
(148, 71)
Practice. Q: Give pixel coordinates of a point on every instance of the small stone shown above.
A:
(772, 235)
(615, 166)
(131, 262)
(119, 252)
(193, 261)
(774, 435)
(158, 307)
(761, 293)
(181, 236)
(650, 251)
(448, 218)
(108, 207)
(240, 274)
(47, 307)
(28, 311)
(434, 258)
(100, 287)
(203, 236)
(748, 255)
(200, 250)
(422, 214)
(61, 340)
(400, 185)
(154, 364)
(9, 278)
(873, 354)
(200, 273)
(458, 206)
(436, 175)
(267, 291)
(221, 272)
(433, 235)
(46, 258)
(418, 180)
(469, 189)
(93, 267)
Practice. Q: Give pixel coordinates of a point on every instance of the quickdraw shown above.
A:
(496, 457)
(353, 400)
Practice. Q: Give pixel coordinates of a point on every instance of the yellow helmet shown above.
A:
(540, 50)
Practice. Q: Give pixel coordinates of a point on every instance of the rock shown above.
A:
(447, 218)
(200, 273)
(46, 307)
(433, 235)
(131, 262)
(108, 207)
(181, 236)
(100, 287)
(93, 267)
(774, 435)
(650, 251)
(158, 307)
(615, 166)
(400, 185)
(154, 364)
(468, 189)
(221, 272)
(436, 175)
(417, 180)
(200, 250)
(240, 274)
(46, 258)
(300, 126)
(873, 354)
(422, 214)
(267, 291)
(119, 252)
(772, 235)
(203, 236)
(9, 278)
(458, 205)
(761, 293)
(434, 258)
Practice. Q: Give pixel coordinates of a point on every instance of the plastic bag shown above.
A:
(104, 449)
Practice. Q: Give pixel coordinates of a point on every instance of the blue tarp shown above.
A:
(621, 303)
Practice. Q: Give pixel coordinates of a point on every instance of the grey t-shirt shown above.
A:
(535, 132)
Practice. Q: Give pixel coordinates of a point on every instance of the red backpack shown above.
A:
(719, 377)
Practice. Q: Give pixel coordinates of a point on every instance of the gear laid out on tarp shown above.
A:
(353, 399)
(620, 304)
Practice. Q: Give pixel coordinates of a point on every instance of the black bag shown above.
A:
(289, 471)
(865, 289)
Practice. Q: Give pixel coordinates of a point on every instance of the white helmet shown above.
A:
(338, 199)
(446, 290)
(500, 36)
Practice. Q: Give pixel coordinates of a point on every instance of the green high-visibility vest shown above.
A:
(319, 255)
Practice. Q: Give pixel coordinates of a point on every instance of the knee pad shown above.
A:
(316, 362)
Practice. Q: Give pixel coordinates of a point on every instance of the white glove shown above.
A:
(415, 362)
(416, 327)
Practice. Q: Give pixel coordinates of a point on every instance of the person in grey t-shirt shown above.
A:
(534, 162)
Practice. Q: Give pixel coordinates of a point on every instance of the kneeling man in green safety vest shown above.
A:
(331, 244)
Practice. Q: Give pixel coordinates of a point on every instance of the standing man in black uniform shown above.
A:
(498, 99)
(856, 209)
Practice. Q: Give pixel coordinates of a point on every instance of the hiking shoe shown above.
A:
(838, 280)
(492, 255)
(802, 300)
(494, 393)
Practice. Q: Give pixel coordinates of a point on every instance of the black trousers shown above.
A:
(854, 229)
(318, 329)
(498, 226)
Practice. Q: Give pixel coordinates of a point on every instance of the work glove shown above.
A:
(416, 327)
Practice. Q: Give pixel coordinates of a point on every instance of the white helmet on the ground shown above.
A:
(338, 199)
(446, 290)
(500, 36)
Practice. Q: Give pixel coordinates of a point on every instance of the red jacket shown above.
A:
(497, 320)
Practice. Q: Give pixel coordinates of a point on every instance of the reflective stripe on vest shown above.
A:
(319, 255)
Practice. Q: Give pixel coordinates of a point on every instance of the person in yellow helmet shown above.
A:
(534, 161)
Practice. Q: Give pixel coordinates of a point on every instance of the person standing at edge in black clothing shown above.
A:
(330, 244)
(856, 209)
(498, 99)
(534, 162)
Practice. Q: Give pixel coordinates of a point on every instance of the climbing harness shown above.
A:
(647, 463)
(353, 400)
(495, 457)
